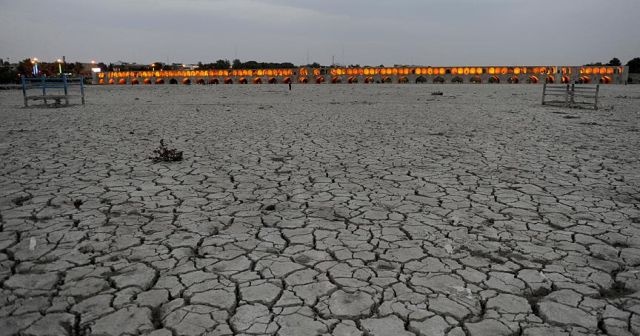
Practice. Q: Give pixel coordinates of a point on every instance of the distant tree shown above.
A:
(237, 64)
(594, 64)
(615, 62)
(634, 65)
(7, 75)
(25, 67)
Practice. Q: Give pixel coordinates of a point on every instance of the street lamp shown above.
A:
(59, 66)
(35, 65)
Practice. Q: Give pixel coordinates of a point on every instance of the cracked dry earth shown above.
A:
(327, 210)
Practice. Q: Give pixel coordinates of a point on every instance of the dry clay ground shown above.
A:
(328, 210)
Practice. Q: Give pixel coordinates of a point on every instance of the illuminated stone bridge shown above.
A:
(399, 75)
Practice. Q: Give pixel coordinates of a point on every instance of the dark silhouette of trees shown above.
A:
(615, 62)
(634, 65)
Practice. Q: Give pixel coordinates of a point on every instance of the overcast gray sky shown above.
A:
(427, 32)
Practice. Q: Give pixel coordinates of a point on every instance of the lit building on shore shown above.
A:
(368, 75)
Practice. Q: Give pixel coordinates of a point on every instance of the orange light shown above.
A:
(492, 71)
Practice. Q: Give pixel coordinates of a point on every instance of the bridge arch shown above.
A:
(135, 81)
(403, 80)
(122, 81)
(532, 80)
(214, 81)
(457, 80)
(173, 81)
(112, 81)
(186, 81)
(605, 80)
(421, 80)
(438, 80)
(303, 80)
(257, 80)
(147, 81)
(243, 80)
(228, 80)
(475, 79)
(584, 80)
(494, 80)
(550, 80)
(272, 80)
(319, 80)
(565, 79)
(352, 80)
(336, 80)
(387, 80)
(287, 80)
(159, 81)
(369, 80)
(513, 80)
(201, 81)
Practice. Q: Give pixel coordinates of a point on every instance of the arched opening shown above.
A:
(584, 80)
(476, 80)
(201, 81)
(438, 80)
(336, 80)
(243, 81)
(421, 80)
(353, 80)
(457, 80)
(287, 80)
(159, 81)
(112, 81)
(273, 80)
(565, 79)
(186, 81)
(135, 81)
(550, 80)
(303, 80)
(513, 80)
(214, 81)
(387, 80)
(605, 80)
(173, 81)
(494, 80)
(369, 80)
(257, 80)
(147, 81)
(403, 80)
(532, 80)
(101, 81)
(319, 80)
(228, 80)
(122, 81)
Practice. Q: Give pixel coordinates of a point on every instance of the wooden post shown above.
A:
(595, 106)
(82, 89)
(24, 91)
(544, 92)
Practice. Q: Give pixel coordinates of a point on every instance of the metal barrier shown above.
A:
(52, 88)
(571, 95)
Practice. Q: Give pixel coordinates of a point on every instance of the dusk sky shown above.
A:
(365, 32)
